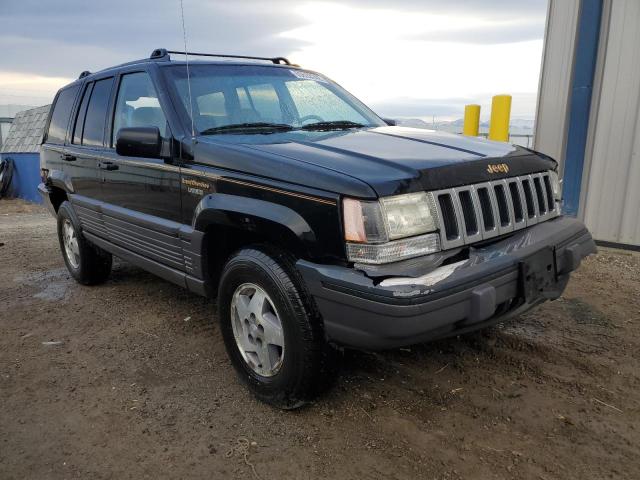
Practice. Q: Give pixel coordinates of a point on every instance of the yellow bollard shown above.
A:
(500, 114)
(471, 126)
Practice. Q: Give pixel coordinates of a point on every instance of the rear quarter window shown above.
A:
(60, 115)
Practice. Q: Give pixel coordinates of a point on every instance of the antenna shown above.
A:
(186, 57)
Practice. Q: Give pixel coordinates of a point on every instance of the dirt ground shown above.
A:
(130, 380)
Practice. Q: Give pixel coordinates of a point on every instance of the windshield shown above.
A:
(255, 99)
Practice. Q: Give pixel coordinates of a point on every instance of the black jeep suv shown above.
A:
(314, 223)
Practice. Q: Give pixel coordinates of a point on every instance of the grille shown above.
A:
(478, 212)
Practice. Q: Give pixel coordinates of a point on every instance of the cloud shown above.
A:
(64, 38)
(440, 54)
(477, 8)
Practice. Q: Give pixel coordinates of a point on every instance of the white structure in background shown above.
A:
(588, 114)
(7, 113)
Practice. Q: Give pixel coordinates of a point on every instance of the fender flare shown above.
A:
(60, 180)
(252, 214)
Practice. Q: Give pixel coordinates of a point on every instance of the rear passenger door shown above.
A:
(53, 148)
(87, 143)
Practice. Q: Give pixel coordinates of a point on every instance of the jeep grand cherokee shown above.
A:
(315, 223)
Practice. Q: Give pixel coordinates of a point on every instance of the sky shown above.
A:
(403, 58)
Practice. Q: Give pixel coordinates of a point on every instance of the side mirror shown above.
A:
(139, 142)
(389, 121)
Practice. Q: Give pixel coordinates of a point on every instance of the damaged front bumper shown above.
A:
(494, 282)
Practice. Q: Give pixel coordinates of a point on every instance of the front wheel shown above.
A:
(271, 329)
(87, 263)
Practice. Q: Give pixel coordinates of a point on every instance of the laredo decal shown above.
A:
(498, 168)
(195, 187)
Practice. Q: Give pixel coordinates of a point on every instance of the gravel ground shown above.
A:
(130, 380)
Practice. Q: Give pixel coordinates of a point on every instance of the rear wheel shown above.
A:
(272, 331)
(88, 264)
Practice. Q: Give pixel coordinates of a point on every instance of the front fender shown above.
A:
(254, 215)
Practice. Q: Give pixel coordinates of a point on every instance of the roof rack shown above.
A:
(162, 52)
(86, 73)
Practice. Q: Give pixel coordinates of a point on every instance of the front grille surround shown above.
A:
(490, 201)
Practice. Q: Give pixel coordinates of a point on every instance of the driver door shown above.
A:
(141, 185)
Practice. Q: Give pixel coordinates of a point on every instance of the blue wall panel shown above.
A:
(26, 176)
(581, 91)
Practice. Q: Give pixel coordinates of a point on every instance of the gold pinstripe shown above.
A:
(264, 187)
(172, 168)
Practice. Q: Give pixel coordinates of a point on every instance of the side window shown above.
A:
(95, 120)
(137, 105)
(82, 111)
(265, 102)
(60, 116)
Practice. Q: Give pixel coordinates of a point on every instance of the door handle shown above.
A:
(108, 166)
(67, 157)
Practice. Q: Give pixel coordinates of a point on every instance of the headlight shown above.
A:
(408, 215)
(372, 229)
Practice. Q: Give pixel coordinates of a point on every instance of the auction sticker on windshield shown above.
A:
(308, 76)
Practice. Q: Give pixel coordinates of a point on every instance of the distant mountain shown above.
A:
(413, 123)
(516, 126)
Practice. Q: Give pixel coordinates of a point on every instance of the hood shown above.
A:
(393, 160)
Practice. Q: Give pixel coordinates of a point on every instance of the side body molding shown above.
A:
(163, 247)
(252, 214)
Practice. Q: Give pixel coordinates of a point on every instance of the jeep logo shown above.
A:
(498, 168)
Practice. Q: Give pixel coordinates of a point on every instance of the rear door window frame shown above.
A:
(90, 83)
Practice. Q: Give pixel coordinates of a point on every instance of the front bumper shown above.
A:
(501, 280)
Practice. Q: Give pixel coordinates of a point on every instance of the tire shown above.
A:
(6, 172)
(87, 263)
(306, 365)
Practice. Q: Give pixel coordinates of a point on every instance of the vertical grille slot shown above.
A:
(528, 198)
(518, 213)
(468, 212)
(481, 211)
(449, 220)
(487, 211)
(549, 191)
(540, 196)
(503, 206)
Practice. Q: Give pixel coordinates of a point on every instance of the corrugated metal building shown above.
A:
(22, 146)
(589, 112)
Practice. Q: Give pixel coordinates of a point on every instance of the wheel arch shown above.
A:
(230, 222)
(59, 186)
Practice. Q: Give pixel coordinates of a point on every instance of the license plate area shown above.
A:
(538, 273)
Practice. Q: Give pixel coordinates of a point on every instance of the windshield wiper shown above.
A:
(258, 127)
(333, 125)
